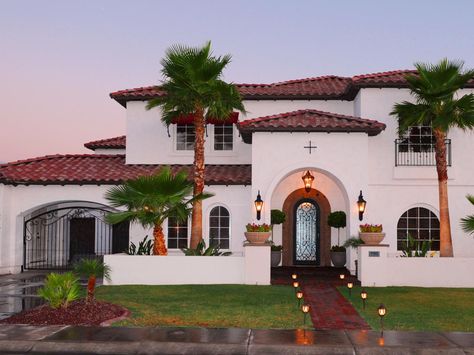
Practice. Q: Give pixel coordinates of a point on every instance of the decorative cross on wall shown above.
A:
(309, 146)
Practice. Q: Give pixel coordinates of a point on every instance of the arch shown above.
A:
(49, 206)
(422, 224)
(325, 231)
(219, 226)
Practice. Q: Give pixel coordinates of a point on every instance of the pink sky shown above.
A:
(61, 59)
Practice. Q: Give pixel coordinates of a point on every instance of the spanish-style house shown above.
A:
(338, 129)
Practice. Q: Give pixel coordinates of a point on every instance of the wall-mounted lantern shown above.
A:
(361, 206)
(258, 205)
(307, 180)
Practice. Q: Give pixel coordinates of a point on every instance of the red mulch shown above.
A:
(77, 313)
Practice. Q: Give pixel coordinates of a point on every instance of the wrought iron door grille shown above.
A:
(306, 233)
(58, 238)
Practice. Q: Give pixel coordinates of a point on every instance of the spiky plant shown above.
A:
(60, 289)
(150, 200)
(467, 223)
(435, 89)
(193, 86)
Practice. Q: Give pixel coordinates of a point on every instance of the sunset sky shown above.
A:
(61, 59)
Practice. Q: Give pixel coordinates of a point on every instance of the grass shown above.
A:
(239, 306)
(415, 308)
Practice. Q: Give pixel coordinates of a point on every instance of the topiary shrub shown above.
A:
(337, 219)
(277, 217)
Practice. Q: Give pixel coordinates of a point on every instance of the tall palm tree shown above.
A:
(150, 200)
(467, 223)
(193, 86)
(438, 105)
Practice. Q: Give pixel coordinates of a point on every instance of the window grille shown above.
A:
(219, 227)
(177, 233)
(421, 224)
(185, 135)
(224, 137)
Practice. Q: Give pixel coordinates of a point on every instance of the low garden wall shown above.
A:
(252, 268)
(377, 268)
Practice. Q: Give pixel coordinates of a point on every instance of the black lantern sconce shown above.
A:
(258, 205)
(361, 205)
(308, 181)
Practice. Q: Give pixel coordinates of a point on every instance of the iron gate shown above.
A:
(58, 238)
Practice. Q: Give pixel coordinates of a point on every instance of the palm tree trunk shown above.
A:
(159, 248)
(90, 288)
(446, 244)
(196, 222)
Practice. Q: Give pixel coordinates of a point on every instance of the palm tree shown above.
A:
(193, 86)
(437, 105)
(467, 223)
(150, 200)
(91, 268)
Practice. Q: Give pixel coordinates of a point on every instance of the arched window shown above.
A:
(219, 227)
(421, 224)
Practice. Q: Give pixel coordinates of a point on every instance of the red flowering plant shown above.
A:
(371, 228)
(253, 227)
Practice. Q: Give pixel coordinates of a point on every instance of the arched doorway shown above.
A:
(58, 235)
(315, 207)
(306, 233)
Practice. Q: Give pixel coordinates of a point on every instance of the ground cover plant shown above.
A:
(241, 306)
(416, 308)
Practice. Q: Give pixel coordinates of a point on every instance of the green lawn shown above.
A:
(207, 305)
(414, 308)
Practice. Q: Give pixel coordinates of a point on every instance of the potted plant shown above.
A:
(257, 233)
(277, 217)
(371, 234)
(337, 219)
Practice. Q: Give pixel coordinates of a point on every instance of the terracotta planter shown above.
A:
(371, 238)
(257, 237)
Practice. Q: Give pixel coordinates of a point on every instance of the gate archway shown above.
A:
(58, 236)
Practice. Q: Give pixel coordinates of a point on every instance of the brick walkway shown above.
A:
(329, 309)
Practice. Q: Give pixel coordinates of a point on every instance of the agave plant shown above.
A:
(91, 268)
(201, 250)
(145, 247)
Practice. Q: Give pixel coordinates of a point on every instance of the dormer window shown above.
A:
(223, 137)
(185, 134)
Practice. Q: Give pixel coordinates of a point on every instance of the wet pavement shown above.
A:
(155, 340)
(19, 292)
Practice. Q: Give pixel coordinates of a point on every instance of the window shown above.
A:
(418, 139)
(185, 137)
(219, 227)
(421, 224)
(177, 233)
(224, 137)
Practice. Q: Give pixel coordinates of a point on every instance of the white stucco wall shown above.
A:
(17, 202)
(109, 151)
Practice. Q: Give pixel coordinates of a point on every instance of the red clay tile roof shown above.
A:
(109, 143)
(309, 121)
(95, 169)
(329, 87)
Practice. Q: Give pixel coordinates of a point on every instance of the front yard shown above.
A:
(415, 308)
(207, 305)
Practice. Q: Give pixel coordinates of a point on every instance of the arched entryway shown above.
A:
(306, 236)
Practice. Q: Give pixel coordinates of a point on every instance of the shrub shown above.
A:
(253, 227)
(353, 242)
(201, 250)
(277, 217)
(415, 248)
(337, 248)
(60, 289)
(145, 247)
(275, 247)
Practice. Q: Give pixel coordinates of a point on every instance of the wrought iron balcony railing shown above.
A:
(418, 154)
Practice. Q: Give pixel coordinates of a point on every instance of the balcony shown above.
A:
(418, 154)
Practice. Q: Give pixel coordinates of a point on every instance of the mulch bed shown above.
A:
(77, 313)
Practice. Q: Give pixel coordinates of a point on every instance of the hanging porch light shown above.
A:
(307, 180)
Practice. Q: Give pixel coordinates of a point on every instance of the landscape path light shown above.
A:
(296, 285)
(299, 296)
(363, 295)
(382, 311)
(305, 310)
(294, 276)
(350, 285)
